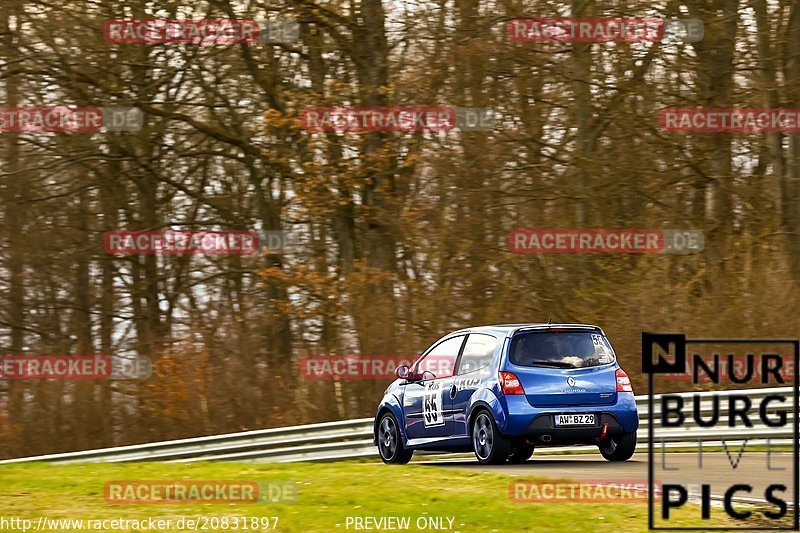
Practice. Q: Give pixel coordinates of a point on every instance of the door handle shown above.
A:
(453, 391)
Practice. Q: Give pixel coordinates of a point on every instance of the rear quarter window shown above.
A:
(477, 354)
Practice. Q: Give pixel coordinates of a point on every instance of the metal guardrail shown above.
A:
(352, 439)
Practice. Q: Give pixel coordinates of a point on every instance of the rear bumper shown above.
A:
(537, 424)
(542, 430)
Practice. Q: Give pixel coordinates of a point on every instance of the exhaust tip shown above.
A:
(546, 438)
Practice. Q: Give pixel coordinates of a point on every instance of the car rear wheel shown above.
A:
(490, 447)
(520, 454)
(390, 445)
(618, 448)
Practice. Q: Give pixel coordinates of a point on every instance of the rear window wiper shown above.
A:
(555, 364)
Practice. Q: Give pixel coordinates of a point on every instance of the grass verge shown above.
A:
(328, 495)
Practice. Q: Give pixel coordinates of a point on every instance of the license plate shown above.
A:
(574, 420)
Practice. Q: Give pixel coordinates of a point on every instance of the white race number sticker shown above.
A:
(602, 349)
(432, 404)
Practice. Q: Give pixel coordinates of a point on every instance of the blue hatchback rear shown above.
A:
(500, 391)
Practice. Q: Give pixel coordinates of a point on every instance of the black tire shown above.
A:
(520, 454)
(490, 447)
(618, 448)
(390, 445)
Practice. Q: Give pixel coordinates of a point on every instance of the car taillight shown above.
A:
(623, 381)
(510, 383)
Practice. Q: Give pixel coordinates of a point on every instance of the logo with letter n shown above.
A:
(663, 353)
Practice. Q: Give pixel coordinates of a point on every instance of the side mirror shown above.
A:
(402, 372)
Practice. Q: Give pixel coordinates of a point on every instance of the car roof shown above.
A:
(507, 330)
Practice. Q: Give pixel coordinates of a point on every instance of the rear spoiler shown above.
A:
(546, 327)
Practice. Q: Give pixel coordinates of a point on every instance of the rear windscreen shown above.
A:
(561, 349)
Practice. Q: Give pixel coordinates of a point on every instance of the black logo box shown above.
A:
(678, 366)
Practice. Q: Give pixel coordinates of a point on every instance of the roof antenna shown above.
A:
(549, 320)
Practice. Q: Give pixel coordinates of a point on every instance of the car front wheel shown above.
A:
(618, 448)
(390, 445)
(490, 447)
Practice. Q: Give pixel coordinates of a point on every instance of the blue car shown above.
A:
(500, 391)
